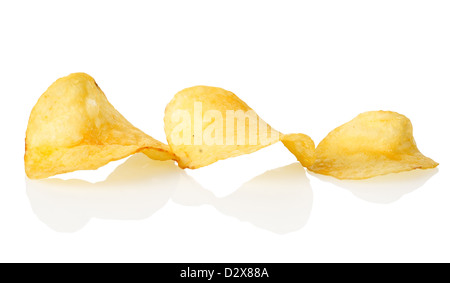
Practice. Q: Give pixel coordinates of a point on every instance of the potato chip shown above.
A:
(205, 124)
(374, 143)
(302, 146)
(74, 127)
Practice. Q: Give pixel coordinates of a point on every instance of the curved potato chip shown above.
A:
(74, 127)
(374, 143)
(205, 124)
(302, 146)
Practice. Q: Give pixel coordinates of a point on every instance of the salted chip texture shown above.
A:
(74, 127)
(372, 144)
(205, 124)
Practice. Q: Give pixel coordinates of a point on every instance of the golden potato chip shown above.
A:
(74, 127)
(205, 124)
(302, 146)
(374, 143)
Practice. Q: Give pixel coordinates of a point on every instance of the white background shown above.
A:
(304, 66)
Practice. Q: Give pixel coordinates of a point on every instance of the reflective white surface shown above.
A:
(278, 215)
(303, 66)
(279, 200)
(383, 189)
